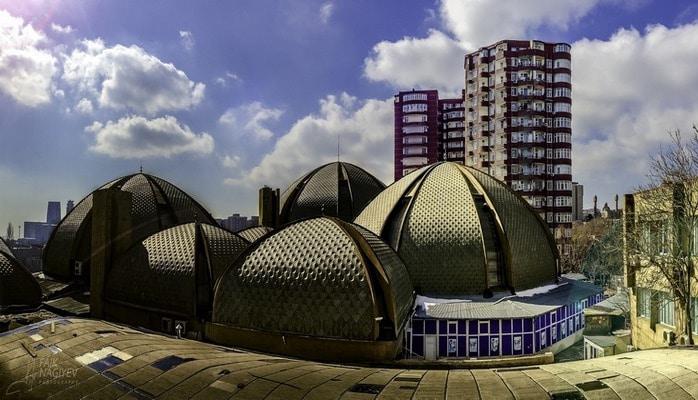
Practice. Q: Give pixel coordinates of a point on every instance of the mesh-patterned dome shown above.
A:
(157, 205)
(18, 287)
(337, 189)
(460, 231)
(173, 269)
(253, 233)
(319, 277)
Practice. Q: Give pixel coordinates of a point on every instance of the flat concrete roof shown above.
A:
(74, 358)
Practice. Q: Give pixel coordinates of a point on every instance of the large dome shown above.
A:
(319, 278)
(460, 231)
(157, 205)
(337, 189)
(18, 287)
(172, 271)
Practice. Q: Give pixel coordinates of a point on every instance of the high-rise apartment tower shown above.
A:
(518, 120)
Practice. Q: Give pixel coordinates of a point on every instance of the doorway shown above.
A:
(430, 350)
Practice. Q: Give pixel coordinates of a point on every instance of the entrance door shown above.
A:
(430, 350)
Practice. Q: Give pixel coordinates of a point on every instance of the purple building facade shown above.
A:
(520, 326)
(427, 130)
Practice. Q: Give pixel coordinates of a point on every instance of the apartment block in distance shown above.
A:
(518, 114)
(427, 130)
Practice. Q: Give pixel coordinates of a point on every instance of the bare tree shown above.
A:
(664, 241)
(584, 236)
(604, 257)
(597, 250)
(10, 232)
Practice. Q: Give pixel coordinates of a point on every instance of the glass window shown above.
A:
(414, 96)
(666, 309)
(644, 302)
(694, 322)
(419, 107)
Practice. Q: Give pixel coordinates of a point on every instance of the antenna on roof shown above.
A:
(141, 168)
(337, 146)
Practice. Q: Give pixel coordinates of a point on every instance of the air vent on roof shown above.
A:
(366, 388)
(591, 385)
(169, 362)
(408, 378)
(567, 394)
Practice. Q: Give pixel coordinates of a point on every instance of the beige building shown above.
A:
(650, 223)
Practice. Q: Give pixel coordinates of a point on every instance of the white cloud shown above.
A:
(326, 12)
(628, 91)
(480, 23)
(121, 77)
(226, 79)
(135, 137)
(251, 119)
(26, 69)
(84, 106)
(365, 130)
(187, 39)
(434, 62)
(230, 161)
(61, 29)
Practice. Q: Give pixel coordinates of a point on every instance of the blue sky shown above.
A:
(223, 97)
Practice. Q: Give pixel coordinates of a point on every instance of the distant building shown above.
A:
(577, 201)
(427, 130)
(53, 212)
(237, 222)
(605, 212)
(37, 233)
(69, 207)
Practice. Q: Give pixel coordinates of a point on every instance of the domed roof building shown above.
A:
(156, 205)
(460, 231)
(169, 277)
(18, 287)
(320, 288)
(337, 189)
(253, 233)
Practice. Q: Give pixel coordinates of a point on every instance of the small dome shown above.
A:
(18, 287)
(253, 233)
(319, 277)
(164, 270)
(157, 205)
(460, 231)
(337, 189)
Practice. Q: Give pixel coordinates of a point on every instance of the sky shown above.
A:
(221, 98)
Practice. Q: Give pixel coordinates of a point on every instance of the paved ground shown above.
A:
(79, 358)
